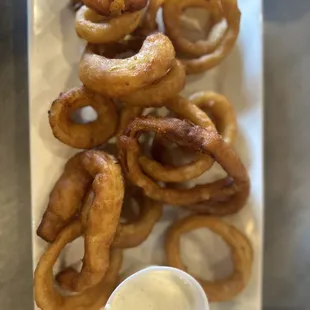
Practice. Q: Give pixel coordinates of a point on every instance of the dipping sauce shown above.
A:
(155, 290)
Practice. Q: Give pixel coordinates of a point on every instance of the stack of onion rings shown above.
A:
(82, 136)
(87, 200)
(107, 183)
(100, 211)
(128, 235)
(241, 252)
(49, 298)
(222, 197)
(223, 115)
(164, 173)
(154, 94)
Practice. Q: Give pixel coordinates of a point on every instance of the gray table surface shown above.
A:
(287, 141)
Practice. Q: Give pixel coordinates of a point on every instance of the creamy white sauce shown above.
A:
(154, 290)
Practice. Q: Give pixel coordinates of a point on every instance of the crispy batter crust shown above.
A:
(119, 77)
(225, 196)
(241, 253)
(97, 29)
(102, 171)
(48, 297)
(223, 115)
(82, 136)
(115, 7)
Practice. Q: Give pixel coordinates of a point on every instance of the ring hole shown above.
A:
(124, 55)
(116, 51)
(206, 254)
(94, 17)
(130, 49)
(84, 115)
(145, 141)
(199, 24)
(195, 24)
(122, 50)
(71, 256)
(216, 172)
(174, 155)
(130, 210)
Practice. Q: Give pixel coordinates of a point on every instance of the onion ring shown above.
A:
(185, 110)
(156, 94)
(97, 29)
(115, 7)
(241, 251)
(80, 172)
(119, 77)
(82, 136)
(221, 112)
(172, 12)
(47, 296)
(103, 215)
(232, 15)
(217, 197)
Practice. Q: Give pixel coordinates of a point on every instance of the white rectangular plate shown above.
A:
(54, 55)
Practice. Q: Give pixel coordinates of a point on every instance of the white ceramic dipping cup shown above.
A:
(158, 288)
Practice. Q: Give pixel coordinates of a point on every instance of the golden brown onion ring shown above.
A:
(168, 173)
(47, 296)
(232, 15)
(216, 196)
(97, 29)
(115, 7)
(103, 216)
(119, 77)
(241, 252)
(82, 136)
(223, 115)
(80, 172)
(156, 94)
(172, 12)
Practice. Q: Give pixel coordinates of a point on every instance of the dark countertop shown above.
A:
(287, 110)
(15, 220)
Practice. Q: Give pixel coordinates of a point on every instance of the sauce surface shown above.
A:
(154, 290)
